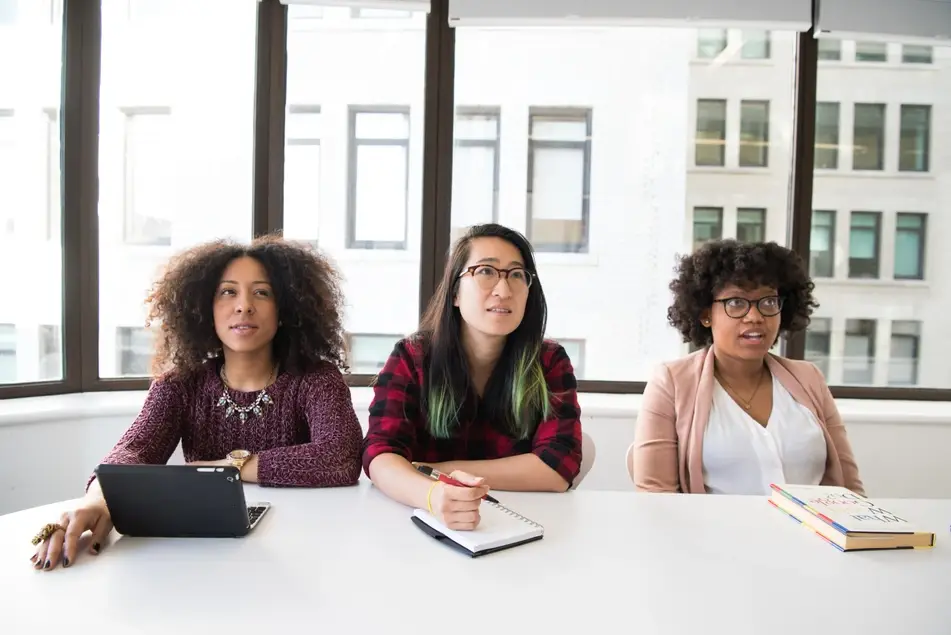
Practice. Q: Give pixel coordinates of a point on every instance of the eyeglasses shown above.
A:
(487, 276)
(767, 306)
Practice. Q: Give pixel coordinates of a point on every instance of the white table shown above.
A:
(350, 561)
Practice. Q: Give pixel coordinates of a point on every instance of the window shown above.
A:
(822, 244)
(148, 163)
(871, 52)
(711, 132)
(710, 43)
(380, 13)
(9, 12)
(914, 146)
(827, 135)
(868, 148)
(302, 173)
(559, 179)
(916, 54)
(864, 239)
(367, 353)
(150, 10)
(751, 224)
(475, 175)
(51, 353)
(8, 354)
(353, 162)
(909, 246)
(54, 200)
(903, 356)
(707, 225)
(859, 364)
(575, 351)
(755, 45)
(819, 344)
(754, 133)
(135, 346)
(379, 177)
(176, 135)
(8, 159)
(830, 50)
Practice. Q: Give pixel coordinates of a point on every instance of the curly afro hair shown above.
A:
(719, 263)
(306, 289)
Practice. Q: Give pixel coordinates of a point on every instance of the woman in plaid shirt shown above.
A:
(477, 392)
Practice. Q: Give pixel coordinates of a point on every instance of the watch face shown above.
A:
(240, 454)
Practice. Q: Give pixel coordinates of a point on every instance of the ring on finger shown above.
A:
(47, 532)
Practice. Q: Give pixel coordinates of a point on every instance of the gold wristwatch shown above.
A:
(238, 458)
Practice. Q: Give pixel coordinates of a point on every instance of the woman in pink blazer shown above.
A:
(731, 418)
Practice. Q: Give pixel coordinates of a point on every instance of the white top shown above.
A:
(350, 560)
(740, 456)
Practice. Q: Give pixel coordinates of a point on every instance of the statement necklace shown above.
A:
(256, 407)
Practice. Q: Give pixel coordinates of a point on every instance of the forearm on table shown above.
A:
(305, 465)
(397, 478)
(521, 473)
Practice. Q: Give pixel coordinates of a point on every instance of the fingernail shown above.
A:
(65, 561)
(33, 558)
(47, 565)
(96, 547)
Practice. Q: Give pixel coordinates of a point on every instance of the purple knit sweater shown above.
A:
(307, 436)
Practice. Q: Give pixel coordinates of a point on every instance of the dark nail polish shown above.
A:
(65, 561)
(33, 558)
(96, 547)
(47, 565)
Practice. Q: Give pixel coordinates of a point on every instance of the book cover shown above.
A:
(845, 510)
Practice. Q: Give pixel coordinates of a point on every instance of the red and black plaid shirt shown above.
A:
(397, 424)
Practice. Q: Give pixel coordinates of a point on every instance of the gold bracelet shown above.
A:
(429, 497)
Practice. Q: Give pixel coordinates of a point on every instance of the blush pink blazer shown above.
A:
(668, 439)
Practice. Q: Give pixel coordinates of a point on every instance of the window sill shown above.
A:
(877, 283)
(746, 171)
(572, 259)
(876, 174)
(623, 408)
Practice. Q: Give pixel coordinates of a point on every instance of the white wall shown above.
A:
(50, 445)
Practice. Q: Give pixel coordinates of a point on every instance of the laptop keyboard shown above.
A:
(255, 512)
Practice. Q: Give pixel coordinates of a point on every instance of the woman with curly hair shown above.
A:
(247, 373)
(732, 418)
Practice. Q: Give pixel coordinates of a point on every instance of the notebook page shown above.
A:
(498, 527)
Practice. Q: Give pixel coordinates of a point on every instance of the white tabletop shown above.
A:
(350, 560)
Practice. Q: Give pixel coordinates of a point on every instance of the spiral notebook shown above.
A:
(499, 528)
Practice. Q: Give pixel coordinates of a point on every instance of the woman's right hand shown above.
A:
(64, 546)
(458, 507)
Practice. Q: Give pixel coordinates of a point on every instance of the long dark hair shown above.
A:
(517, 393)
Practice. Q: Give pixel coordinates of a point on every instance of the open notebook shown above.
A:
(500, 528)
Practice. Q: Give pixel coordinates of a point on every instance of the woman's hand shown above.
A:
(458, 507)
(65, 543)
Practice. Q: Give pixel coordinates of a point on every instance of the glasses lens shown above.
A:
(736, 307)
(770, 306)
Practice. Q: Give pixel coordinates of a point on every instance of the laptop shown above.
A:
(178, 501)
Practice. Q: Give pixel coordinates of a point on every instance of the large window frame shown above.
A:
(78, 128)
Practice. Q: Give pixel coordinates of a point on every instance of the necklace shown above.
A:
(743, 402)
(256, 407)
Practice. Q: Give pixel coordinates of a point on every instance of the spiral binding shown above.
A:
(515, 514)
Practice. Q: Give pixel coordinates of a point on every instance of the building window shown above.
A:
(148, 163)
(8, 160)
(910, 232)
(903, 356)
(915, 141)
(386, 14)
(53, 176)
(864, 241)
(379, 178)
(559, 179)
(475, 168)
(754, 133)
(575, 351)
(819, 343)
(711, 132)
(822, 244)
(134, 347)
(868, 149)
(9, 12)
(871, 52)
(8, 353)
(51, 353)
(830, 50)
(751, 224)
(827, 135)
(367, 352)
(755, 45)
(710, 43)
(707, 225)
(859, 364)
(916, 54)
(302, 171)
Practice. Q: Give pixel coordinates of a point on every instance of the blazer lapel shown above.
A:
(790, 383)
(701, 415)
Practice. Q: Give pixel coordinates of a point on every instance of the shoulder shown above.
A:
(686, 368)
(553, 355)
(324, 376)
(406, 361)
(807, 373)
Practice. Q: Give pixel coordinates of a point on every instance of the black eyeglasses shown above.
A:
(487, 276)
(767, 306)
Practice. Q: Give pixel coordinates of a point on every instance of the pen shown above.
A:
(445, 478)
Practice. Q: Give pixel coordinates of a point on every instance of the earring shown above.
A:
(705, 322)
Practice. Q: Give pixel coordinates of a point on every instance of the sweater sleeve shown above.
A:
(332, 457)
(156, 431)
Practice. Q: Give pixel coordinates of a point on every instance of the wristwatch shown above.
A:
(238, 458)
